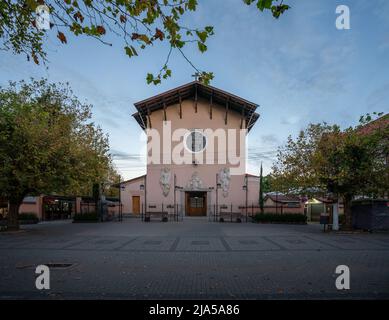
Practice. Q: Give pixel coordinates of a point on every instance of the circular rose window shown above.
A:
(195, 141)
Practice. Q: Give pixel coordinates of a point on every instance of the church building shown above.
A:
(196, 154)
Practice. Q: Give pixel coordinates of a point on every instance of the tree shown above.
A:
(140, 23)
(354, 163)
(267, 184)
(47, 144)
(294, 170)
(110, 188)
(345, 163)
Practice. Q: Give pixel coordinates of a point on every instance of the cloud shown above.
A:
(122, 155)
(269, 139)
(290, 120)
(378, 99)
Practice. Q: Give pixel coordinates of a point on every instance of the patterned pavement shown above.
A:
(191, 259)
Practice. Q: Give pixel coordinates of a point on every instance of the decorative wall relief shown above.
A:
(195, 182)
(224, 180)
(164, 181)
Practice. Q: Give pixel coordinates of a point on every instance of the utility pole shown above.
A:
(261, 190)
(120, 198)
(335, 214)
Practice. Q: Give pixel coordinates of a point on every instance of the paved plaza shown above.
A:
(191, 259)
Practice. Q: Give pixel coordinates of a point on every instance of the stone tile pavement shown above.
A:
(191, 259)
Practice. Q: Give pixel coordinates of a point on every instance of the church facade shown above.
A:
(196, 154)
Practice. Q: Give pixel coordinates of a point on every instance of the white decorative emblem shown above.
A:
(195, 182)
(164, 181)
(224, 180)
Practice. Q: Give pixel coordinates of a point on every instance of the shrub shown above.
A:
(86, 217)
(342, 219)
(280, 218)
(28, 216)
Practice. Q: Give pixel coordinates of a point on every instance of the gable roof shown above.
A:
(116, 185)
(190, 90)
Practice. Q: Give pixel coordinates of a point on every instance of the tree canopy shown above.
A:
(345, 163)
(139, 23)
(48, 143)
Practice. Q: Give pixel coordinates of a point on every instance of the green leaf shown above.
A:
(192, 5)
(202, 46)
(149, 78)
(202, 35)
(209, 29)
(130, 51)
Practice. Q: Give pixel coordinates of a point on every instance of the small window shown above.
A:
(196, 202)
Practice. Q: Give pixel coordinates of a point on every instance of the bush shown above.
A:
(280, 218)
(86, 217)
(31, 217)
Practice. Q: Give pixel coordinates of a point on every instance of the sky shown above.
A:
(299, 69)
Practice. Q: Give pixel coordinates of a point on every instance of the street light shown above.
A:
(245, 187)
(145, 197)
(175, 199)
(218, 186)
(121, 187)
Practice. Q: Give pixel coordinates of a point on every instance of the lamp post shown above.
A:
(245, 187)
(335, 214)
(175, 205)
(145, 195)
(120, 196)
(142, 188)
(175, 182)
(120, 201)
(218, 186)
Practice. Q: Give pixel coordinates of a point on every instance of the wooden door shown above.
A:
(135, 204)
(196, 203)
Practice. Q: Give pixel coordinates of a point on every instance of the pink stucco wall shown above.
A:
(32, 205)
(130, 189)
(206, 172)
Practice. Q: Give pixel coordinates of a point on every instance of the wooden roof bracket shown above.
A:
(148, 117)
(210, 106)
(180, 101)
(141, 116)
(249, 122)
(226, 116)
(164, 111)
(242, 118)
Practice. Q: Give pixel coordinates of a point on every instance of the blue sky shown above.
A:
(299, 69)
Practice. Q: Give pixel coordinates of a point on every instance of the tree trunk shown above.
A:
(347, 212)
(13, 214)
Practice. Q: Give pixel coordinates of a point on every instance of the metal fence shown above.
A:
(219, 213)
(232, 213)
(109, 211)
(162, 212)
